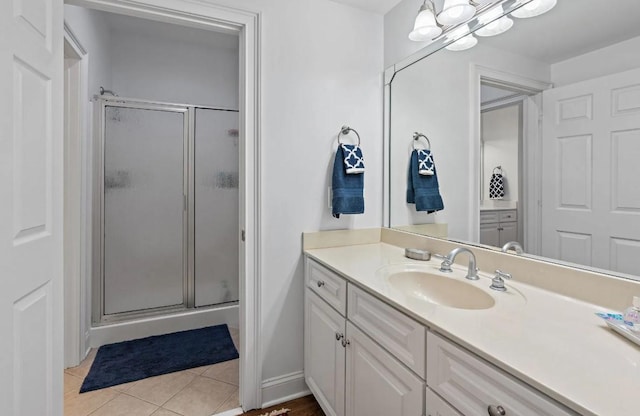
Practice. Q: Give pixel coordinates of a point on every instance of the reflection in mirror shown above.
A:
(535, 135)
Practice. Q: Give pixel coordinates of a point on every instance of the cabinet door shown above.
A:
(489, 234)
(508, 232)
(377, 384)
(324, 355)
(472, 385)
(435, 406)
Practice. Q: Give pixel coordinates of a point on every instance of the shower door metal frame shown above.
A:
(98, 308)
(189, 111)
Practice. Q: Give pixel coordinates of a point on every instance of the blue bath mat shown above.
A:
(128, 361)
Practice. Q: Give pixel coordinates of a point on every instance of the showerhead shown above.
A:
(103, 92)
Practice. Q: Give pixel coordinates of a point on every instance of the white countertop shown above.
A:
(554, 343)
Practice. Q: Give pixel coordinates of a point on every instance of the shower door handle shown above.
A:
(184, 202)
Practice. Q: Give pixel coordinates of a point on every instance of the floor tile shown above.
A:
(233, 402)
(227, 371)
(83, 369)
(82, 404)
(159, 389)
(124, 405)
(200, 398)
(123, 388)
(235, 336)
(164, 412)
(198, 370)
(72, 383)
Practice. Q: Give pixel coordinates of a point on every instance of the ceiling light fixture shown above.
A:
(534, 8)
(455, 12)
(493, 24)
(425, 27)
(463, 43)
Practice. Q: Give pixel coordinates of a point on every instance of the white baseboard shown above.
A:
(159, 325)
(284, 388)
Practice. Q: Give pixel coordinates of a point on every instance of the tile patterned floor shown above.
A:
(200, 391)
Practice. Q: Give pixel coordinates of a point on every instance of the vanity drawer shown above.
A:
(435, 406)
(328, 285)
(488, 217)
(403, 337)
(506, 216)
(472, 385)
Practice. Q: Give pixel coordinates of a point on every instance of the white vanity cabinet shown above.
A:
(475, 387)
(346, 370)
(376, 383)
(324, 355)
(364, 357)
(497, 227)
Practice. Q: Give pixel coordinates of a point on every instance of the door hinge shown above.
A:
(243, 235)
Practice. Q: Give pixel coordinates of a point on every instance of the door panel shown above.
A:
(31, 162)
(591, 144)
(144, 209)
(216, 207)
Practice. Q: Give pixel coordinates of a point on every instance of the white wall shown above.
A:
(321, 68)
(321, 65)
(610, 60)
(500, 134)
(155, 65)
(433, 97)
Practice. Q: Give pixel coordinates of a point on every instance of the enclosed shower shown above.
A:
(167, 205)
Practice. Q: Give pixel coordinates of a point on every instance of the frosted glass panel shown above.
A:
(143, 209)
(216, 207)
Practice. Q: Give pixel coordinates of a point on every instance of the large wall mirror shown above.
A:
(535, 135)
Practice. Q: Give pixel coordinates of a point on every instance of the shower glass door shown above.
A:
(144, 208)
(216, 206)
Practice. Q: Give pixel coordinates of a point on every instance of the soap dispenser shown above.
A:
(632, 315)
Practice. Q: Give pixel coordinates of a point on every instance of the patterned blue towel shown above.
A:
(423, 190)
(347, 189)
(353, 159)
(425, 162)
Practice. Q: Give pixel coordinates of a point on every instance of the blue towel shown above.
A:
(353, 159)
(423, 190)
(425, 162)
(348, 196)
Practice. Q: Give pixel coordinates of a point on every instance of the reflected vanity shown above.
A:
(557, 107)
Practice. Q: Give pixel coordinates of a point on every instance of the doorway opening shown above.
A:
(130, 73)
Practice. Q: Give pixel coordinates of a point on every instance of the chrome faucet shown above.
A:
(472, 273)
(513, 245)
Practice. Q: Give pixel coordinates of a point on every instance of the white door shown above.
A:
(591, 149)
(377, 384)
(324, 355)
(31, 162)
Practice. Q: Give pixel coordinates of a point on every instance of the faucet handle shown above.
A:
(445, 266)
(497, 283)
(504, 275)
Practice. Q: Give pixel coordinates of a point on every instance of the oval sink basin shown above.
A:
(440, 290)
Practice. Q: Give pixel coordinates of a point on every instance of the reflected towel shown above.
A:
(423, 190)
(347, 189)
(353, 159)
(496, 186)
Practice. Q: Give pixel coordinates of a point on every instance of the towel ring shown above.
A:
(417, 136)
(346, 130)
(499, 169)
